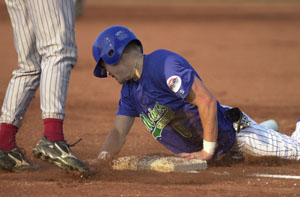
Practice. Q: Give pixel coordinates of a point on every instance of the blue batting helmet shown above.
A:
(109, 46)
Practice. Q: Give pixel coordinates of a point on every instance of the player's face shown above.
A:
(120, 71)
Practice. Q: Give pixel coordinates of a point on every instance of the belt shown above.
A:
(238, 118)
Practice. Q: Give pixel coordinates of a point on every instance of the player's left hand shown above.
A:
(97, 164)
(92, 162)
(196, 155)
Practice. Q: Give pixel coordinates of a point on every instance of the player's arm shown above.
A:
(115, 139)
(200, 96)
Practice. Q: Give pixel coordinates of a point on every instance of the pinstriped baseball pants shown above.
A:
(44, 39)
(258, 140)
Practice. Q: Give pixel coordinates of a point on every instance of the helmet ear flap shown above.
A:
(111, 53)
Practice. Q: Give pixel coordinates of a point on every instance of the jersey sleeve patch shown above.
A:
(174, 83)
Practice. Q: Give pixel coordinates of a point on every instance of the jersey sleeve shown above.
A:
(126, 103)
(178, 75)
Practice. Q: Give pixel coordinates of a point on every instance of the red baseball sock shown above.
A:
(53, 129)
(8, 136)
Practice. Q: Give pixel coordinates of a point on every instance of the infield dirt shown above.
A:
(246, 53)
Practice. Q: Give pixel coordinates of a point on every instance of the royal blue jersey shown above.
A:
(158, 98)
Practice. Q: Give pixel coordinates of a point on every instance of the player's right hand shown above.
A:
(196, 155)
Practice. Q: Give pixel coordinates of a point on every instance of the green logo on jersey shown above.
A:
(157, 119)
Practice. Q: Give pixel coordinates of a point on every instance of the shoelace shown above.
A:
(71, 145)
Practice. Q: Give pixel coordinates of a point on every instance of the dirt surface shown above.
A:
(247, 55)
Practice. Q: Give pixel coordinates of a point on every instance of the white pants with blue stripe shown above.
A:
(258, 140)
(45, 43)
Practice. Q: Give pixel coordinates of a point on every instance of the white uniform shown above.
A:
(259, 140)
(45, 43)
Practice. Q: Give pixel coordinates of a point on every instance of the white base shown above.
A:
(160, 163)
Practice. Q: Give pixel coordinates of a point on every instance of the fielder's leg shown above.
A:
(21, 88)
(54, 25)
(25, 80)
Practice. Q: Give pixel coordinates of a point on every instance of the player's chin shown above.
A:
(121, 81)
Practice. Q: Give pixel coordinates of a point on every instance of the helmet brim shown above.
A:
(99, 71)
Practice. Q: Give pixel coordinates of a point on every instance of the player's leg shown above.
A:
(258, 140)
(21, 88)
(296, 133)
(25, 80)
(54, 20)
(54, 26)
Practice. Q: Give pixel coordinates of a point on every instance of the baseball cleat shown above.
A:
(15, 161)
(59, 154)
